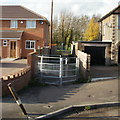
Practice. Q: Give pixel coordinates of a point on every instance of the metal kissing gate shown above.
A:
(57, 70)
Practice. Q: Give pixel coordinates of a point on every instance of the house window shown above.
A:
(4, 42)
(30, 44)
(30, 24)
(14, 24)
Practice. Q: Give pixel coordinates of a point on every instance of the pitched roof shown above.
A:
(10, 34)
(114, 11)
(18, 12)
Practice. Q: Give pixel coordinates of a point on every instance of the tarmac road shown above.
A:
(42, 100)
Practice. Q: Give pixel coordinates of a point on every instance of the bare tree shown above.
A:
(69, 28)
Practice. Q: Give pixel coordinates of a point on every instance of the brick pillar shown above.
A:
(31, 59)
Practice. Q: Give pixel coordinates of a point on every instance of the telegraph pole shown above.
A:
(51, 30)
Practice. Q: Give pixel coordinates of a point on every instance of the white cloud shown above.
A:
(78, 7)
(75, 8)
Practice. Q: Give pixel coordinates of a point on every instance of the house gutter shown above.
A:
(11, 38)
(21, 19)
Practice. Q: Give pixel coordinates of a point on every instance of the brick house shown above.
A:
(21, 31)
(110, 32)
(107, 50)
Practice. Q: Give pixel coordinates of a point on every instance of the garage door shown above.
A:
(97, 54)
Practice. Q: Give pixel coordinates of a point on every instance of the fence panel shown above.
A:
(57, 70)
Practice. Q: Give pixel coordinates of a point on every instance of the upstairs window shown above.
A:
(14, 24)
(4, 42)
(30, 44)
(30, 24)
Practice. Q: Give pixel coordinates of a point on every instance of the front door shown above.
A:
(13, 49)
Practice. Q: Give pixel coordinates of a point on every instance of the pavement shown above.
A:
(104, 71)
(10, 66)
(45, 99)
(96, 114)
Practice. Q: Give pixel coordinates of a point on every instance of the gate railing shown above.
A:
(57, 70)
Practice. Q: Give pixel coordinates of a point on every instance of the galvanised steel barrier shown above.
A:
(57, 70)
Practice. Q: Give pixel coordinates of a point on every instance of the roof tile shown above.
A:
(10, 34)
(18, 12)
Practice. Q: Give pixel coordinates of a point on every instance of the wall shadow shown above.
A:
(48, 94)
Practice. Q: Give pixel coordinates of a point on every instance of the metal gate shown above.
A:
(57, 70)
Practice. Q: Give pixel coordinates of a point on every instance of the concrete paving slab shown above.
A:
(11, 67)
(104, 71)
(8, 59)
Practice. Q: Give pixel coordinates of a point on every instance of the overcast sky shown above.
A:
(78, 7)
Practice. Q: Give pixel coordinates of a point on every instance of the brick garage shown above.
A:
(99, 51)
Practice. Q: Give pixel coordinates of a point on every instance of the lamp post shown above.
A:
(51, 31)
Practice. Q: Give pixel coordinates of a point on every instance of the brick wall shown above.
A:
(39, 34)
(19, 80)
(84, 63)
(31, 61)
(6, 49)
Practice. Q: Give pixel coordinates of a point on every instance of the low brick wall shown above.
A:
(84, 65)
(19, 80)
(84, 59)
(84, 62)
